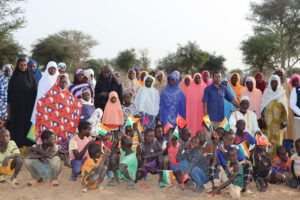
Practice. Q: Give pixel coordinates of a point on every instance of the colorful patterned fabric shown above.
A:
(3, 95)
(280, 166)
(58, 111)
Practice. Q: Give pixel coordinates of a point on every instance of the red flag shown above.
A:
(185, 178)
(262, 141)
(180, 121)
(167, 127)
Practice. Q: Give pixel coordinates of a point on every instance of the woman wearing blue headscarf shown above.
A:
(33, 67)
(172, 102)
(228, 107)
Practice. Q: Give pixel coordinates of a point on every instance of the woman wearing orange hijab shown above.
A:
(113, 114)
(234, 82)
(185, 83)
(142, 76)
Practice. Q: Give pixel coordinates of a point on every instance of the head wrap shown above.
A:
(61, 65)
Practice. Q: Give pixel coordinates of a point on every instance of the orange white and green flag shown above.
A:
(206, 121)
(224, 124)
(244, 149)
(168, 177)
(139, 126)
(103, 130)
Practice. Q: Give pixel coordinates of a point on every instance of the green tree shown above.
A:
(215, 63)
(95, 64)
(280, 18)
(260, 52)
(72, 47)
(11, 19)
(144, 59)
(126, 60)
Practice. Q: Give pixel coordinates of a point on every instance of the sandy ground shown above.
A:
(71, 190)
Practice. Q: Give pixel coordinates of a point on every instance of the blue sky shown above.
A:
(158, 25)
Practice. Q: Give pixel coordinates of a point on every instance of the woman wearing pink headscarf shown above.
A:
(185, 83)
(206, 77)
(194, 105)
(254, 95)
(295, 80)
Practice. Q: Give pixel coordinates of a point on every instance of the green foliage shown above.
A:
(72, 47)
(239, 71)
(126, 60)
(94, 64)
(11, 19)
(189, 59)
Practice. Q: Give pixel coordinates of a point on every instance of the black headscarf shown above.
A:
(21, 96)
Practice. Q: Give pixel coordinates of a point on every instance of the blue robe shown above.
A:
(228, 107)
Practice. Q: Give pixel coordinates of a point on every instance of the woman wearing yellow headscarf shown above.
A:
(234, 82)
(141, 80)
(160, 82)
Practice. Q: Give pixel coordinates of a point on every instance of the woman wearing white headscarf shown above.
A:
(147, 103)
(274, 110)
(95, 120)
(46, 82)
(92, 77)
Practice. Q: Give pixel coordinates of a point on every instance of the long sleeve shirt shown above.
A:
(293, 103)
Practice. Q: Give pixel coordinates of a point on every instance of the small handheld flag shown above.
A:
(176, 133)
(168, 177)
(129, 122)
(262, 141)
(206, 121)
(167, 127)
(244, 149)
(140, 128)
(225, 125)
(133, 119)
(180, 121)
(102, 130)
(31, 133)
(185, 178)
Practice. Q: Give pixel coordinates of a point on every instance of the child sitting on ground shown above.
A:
(281, 166)
(78, 148)
(241, 135)
(295, 166)
(159, 136)
(128, 108)
(147, 154)
(2, 123)
(43, 161)
(132, 131)
(192, 163)
(262, 166)
(228, 140)
(124, 166)
(10, 158)
(234, 175)
(185, 135)
(94, 168)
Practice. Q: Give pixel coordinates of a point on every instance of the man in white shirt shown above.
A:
(247, 115)
(295, 106)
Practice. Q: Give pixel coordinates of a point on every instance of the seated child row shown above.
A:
(206, 165)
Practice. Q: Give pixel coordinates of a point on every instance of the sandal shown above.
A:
(14, 182)
(54, 183)
(32, 183)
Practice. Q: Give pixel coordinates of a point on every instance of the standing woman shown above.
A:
(289, 135)
(295, 80)
(260, 82)
(185, 83)
(131, 83)
(4, 80)
(142, 76)
(147, 103)
(106, 84)
(160, 82)
(22, 90)
(274, 109)
(235, 83)
(47, 81)
(172, 102)
(33, 67)
(206, 77)
(194, 104)
(80, 82)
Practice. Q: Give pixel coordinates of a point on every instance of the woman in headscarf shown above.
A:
(131, 83)
(47, 81)
(274, 109)
(185, 83)
(160, 82)
(260, 82)
(105, 84)
(254, 95)
(81, 79)
(59, 111)
(33, 67)
(294, 80)
(194, 105)
(235, 84)
(142, 76)
(4, 80)
(172, 102)
(289, 135)
(61, 67)
(95, 121)
(137, 73)
(88, 107)
(205, 75)
(92, 77)
(177, 74)
(147, 103)
(228, 106)
(21, 95)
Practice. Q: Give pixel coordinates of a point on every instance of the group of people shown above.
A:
(194, 130)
